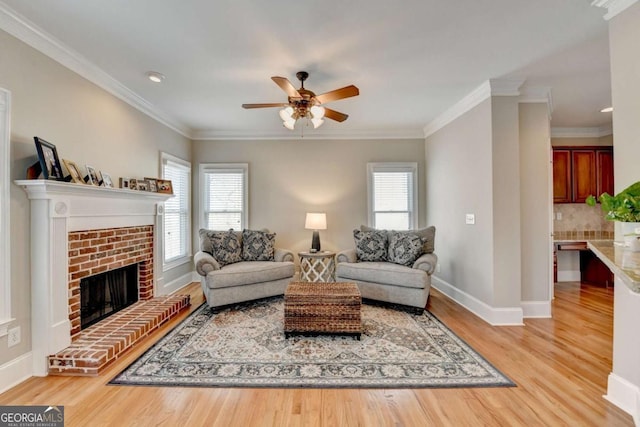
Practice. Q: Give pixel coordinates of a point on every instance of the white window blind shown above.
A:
(225, 197)
(177, 209)
(393, 195)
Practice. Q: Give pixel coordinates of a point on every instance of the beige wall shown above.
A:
(535, 201)
(87, 125)
(624, 33)
(506, 201)
(459, 181)
(292, 177)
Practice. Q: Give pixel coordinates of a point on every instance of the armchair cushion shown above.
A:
(404, 248)
(257, 245)
(428, 233)
(383, 272)
(371, 245)
(224, 246)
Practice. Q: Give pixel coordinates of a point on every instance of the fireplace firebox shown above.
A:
(106, 293)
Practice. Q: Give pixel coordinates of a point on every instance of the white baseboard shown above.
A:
(624, 395)
(195, 277)
(569, 276)
(536, 309)
(16, 371)
(493, 316)
(177, 284)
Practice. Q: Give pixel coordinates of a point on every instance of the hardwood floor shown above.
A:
(560, 366)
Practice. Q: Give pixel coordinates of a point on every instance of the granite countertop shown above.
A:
(622, 262)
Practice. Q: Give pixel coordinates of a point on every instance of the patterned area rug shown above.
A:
(244, 346)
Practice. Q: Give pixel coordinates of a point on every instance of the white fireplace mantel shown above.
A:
(58, 208)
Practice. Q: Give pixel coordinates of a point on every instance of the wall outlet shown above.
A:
(559, 216)
(470, 219)
(14, 336)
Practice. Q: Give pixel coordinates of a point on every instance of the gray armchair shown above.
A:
(242, 280)
(389, 282)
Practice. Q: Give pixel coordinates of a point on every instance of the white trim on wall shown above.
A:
(5, 241)
(625, 395)
(592, 132)
(501, 316)
(16, 371)
(614, 7)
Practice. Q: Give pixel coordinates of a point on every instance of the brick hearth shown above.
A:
(97, 346)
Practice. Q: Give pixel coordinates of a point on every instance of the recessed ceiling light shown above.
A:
(607, 110)
(155, 77)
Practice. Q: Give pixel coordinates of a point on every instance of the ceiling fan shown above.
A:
(305, 104)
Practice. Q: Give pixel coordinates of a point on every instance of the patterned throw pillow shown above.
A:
(428, 234)
(370, 245)
(404, 248)
(224, 246)
(257, 245)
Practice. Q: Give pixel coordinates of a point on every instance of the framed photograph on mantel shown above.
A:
(74, 171)
(164, 186)
(49, 161)
(92, 176)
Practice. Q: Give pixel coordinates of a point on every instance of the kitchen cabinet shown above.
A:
(581, 171)
(592, 270)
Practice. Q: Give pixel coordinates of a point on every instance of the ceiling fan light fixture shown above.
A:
(286, 113)
(317, 122)
(289, 124)
(317, 112)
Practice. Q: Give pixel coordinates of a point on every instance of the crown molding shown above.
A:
(614, 7)
(492, 87)
(24, 30)
(590, 132)
(537, 94)
(214, 135)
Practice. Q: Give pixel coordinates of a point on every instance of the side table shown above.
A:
(318, 266)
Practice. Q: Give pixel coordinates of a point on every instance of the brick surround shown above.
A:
(96, 251)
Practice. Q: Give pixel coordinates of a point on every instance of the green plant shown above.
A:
(623, 207)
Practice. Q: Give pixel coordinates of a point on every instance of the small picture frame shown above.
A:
(164, 186)
(124, 183)
(92, 176)
(49, 161)
(74, 171)
(106, 180)
(143, 185)
(133, 184)
(153, 184)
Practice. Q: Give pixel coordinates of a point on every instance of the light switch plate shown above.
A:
(470, 219)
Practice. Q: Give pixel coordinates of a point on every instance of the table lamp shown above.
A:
(315, 222)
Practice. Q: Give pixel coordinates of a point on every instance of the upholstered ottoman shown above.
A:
(322, 308)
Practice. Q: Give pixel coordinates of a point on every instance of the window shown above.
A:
(225, 195)
(177, 212)
(393, 200)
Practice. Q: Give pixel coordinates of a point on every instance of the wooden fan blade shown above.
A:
(335, 115)
(278, 104)
(286, 86)
(334, 95)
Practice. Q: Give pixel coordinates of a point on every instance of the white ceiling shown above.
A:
(411, 59)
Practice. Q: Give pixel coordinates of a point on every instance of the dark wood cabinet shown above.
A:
(604, 169)
(561, 176)
(584, 174)
(581, 171)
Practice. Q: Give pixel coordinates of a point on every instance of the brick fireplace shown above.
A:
(81, 230)
(92, 252)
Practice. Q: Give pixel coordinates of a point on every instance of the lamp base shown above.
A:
(315, 242)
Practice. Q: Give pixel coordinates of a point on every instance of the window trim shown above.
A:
(411, 167)
(180, 260)
(5, 238)
(212, 167)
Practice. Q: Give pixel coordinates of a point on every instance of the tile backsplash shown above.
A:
(580, 221)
